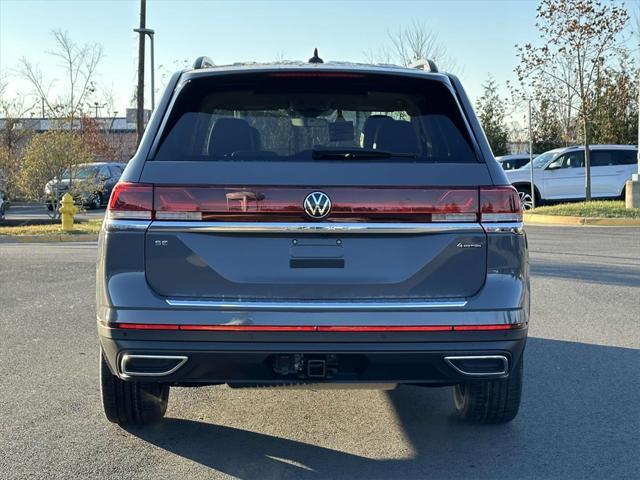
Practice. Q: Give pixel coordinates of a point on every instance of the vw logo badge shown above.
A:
(317, 205)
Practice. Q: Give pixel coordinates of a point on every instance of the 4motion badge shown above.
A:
(469, 245)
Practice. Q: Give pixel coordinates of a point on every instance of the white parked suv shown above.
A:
(559, 174)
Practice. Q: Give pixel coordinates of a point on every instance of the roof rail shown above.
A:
(202, 62)
(425, 64)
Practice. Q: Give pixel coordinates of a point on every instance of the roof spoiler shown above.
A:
(202, 62)
(425, 64)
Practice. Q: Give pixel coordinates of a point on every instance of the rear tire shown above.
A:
(131, 403)
(490, 401)
(96, 202)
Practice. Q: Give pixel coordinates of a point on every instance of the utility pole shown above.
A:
(632, 187)
(140, 93)
(533, 191)
(150, 32)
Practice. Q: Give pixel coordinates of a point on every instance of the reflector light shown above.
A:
(318, 328)
(179, 215)
(509, 326)
(454, 217)
(147, 326)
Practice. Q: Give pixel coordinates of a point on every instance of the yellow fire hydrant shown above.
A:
(67, 210)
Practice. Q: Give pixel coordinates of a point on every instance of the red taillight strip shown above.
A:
(318, 328)
(145, 326)
(252, 328)
(488, 327)
(391, 328)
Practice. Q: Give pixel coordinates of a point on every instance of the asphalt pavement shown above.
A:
(30, 212)
(580, 416)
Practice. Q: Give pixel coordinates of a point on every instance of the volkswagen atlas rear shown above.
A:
(312, 223)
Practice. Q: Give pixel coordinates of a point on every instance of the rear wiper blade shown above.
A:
(355, 153)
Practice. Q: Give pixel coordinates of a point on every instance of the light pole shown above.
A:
(113, 119)
(140, 88)
(97, 107)
(150, 32)
(632, 186)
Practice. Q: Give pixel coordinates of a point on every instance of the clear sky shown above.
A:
(479, 35)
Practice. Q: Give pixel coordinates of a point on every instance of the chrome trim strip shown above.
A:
(311, 227)
(128, 373)
(505, 364)
(510, 227)
(115, 225)
(315, 306)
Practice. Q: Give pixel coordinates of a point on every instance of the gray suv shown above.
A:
(310, 223)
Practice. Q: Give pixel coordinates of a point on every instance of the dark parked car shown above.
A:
(91, 183)
(4, 205)
(4, 198)
(308, 223)
(513, 162)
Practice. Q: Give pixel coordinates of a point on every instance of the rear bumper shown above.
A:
(353, 357)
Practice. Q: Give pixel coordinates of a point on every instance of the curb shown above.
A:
(83, 237)
(536, 218)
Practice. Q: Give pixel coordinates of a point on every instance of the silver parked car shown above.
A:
(515, 161)
(559, 175)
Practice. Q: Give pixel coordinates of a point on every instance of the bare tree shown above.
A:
(415, 42)
(15, 132)
(380, 55)
(578, 38)
(78, 63)
(410, 43)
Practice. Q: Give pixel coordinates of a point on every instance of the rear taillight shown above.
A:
(131, 201)
(500, 204)
(349, 204)
(287, 204)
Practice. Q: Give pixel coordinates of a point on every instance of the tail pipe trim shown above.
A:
(479, 365)
(150, 365)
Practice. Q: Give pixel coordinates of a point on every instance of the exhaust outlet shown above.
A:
(150, 365)
(479, 365)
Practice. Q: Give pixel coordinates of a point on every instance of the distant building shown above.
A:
(518, 146)
(119, 133)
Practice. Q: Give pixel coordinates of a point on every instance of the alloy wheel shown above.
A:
(526, 200)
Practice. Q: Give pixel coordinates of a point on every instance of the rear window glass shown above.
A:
(624, 157)
(315, 117)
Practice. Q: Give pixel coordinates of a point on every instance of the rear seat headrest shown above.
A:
(398, 137)
(230, 135)
(371, 127)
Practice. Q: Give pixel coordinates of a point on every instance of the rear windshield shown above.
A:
(315, 117)
(81, 172)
